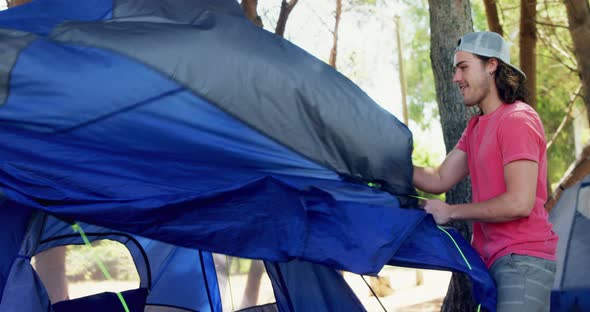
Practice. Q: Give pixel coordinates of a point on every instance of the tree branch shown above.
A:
(576, 172)
(286, 8)
(554, 49)
(319, 18)
(492, 17)
(551, 25)
(567, 116)
(334, 51)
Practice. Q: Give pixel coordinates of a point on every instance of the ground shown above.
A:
(406, 296)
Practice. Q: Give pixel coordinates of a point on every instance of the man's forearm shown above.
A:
(428, 180)
(425, 178)
(503, 208)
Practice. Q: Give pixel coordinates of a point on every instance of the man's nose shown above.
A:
(457, 76)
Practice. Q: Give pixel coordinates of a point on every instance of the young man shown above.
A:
(503, 150)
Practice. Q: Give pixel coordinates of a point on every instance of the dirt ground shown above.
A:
(406, 295)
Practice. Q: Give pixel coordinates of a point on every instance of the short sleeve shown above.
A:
(464, 140)
(521, 137)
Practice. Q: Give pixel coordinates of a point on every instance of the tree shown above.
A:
(286, 8)
(421, 92)
(337, 17)
(550, 82)
(51, 268)
(250, 8)
(492, 17)
(13, 3)
(334, 50)
(527, 40)
(402, 78)
(577, 171)
(250, 11)
(528, 47)
(557, 86)
(449, 20)
(578, 15)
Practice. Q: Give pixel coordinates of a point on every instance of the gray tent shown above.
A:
(571, 221)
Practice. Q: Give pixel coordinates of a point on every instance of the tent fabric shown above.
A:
(159, 265)
(310, 97)
(106, 301)
(262, 308)
(14, 220)
(169, 265)
(40, 17)
(13, 42)
(571, 220)
(183, 11)
(431, 247)
(22, 278)
(325, 120)
(59, 167)
(304, 286)
(220, 138)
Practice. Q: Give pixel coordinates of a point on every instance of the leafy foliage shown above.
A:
(424, 157)
(420, 80)
(81, 262)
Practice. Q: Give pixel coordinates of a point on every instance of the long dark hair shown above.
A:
(509, 82)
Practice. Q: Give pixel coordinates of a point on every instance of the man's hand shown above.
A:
(440, 210)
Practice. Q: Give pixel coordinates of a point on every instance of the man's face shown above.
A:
(471, 77)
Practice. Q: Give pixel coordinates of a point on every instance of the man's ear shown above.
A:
(492, 65)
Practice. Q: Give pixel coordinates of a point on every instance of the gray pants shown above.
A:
(523, 282)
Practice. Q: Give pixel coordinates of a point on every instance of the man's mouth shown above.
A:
(462, 88)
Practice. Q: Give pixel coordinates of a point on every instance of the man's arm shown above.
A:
(439, 180)
(517, 202)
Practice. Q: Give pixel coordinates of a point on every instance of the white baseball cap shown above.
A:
(488, 44)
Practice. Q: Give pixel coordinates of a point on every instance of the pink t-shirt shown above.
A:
(512, 132)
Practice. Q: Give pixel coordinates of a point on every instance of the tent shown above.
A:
(179, 128)
(571, 221)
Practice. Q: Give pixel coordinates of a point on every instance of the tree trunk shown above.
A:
(13, 3)
(250, 11)
(528, 47)
(252, 288)
(578, 15)
(286, 8)
(400, 60)
(334, 51)
(492, 17)
(575, 173)
(449, 20)
(51, 268)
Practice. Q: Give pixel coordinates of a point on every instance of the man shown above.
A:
(503, 150)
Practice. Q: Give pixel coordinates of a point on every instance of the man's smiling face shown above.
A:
(471, 77)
